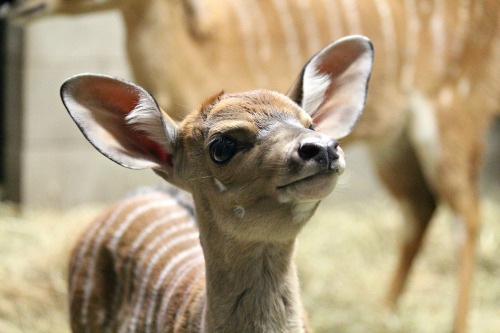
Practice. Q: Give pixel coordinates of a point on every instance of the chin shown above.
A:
(311, 189)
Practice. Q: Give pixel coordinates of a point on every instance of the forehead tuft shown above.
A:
(258, 105)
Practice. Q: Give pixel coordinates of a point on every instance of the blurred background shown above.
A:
(53, 183)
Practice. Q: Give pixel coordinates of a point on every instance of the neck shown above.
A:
(251, 286)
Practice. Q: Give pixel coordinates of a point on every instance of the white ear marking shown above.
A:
(333, 85)
(316, 85)
(146, 116)
(101, 105)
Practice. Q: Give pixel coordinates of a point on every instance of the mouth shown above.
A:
(317, 177)
(313, 182)
(336, 169)
(310, 188)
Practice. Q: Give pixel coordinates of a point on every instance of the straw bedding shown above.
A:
(345, 258)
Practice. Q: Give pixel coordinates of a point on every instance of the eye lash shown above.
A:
(218, 138)
(243, 145)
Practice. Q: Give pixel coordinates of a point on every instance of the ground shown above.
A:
(345, 257)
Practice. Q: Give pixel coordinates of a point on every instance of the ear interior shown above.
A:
(100, 105)
(333, 85)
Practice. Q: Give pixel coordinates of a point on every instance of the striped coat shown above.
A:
(121, 264)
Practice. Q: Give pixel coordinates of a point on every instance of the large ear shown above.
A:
(332, 86)
(121, 120)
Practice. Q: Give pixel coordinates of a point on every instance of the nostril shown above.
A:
(333, 152)
(309, 150)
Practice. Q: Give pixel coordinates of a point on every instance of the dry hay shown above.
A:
(345, 257)
(34, 247)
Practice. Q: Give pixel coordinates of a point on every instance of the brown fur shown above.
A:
(251, 279)
(256, 170)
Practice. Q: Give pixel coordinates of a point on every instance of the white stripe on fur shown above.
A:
(133, 251)
(411, 51)
(334, 22)
(143, 286)
(387, 26)
(351, 15)
(310, 27)
(290, 32)
(88, 283)
(171, 287)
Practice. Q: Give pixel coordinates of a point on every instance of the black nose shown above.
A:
(320, 151)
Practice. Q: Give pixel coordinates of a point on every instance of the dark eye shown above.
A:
(222, 149)
(312, 127)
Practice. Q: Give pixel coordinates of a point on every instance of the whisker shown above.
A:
(202, 177)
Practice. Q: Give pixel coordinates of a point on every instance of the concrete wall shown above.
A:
(59, 167)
